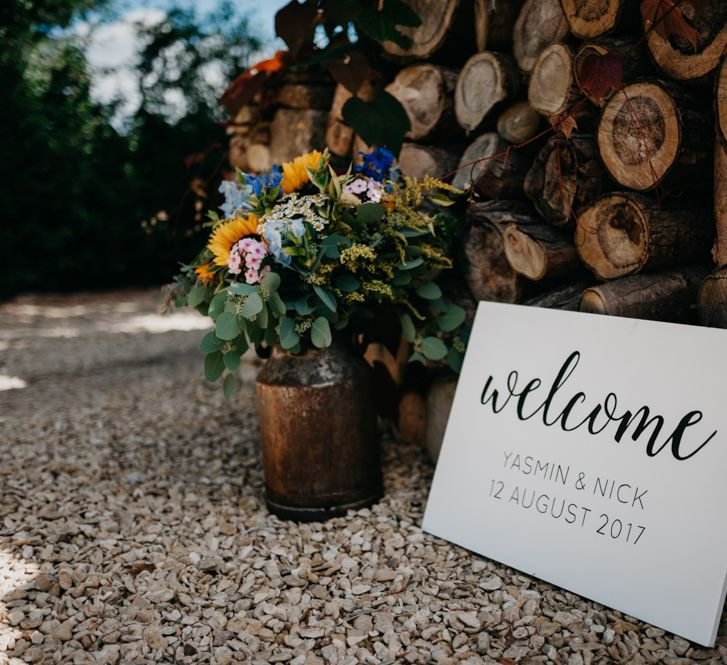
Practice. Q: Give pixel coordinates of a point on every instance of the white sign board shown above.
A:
(591, 452)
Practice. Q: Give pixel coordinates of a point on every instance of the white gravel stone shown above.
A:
(133, 528)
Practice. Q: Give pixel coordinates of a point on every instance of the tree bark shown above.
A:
(552, 89)
(592, 18)
(301, 96)
(565, 297)
(293, 133)
(720, 100)
(439, 404)
(540, 23)
(623, 233)
(444, 35)
(651, 130)
(719, 251)
(518, 122)
(713, 299)
(490, 170)
(486, 80)
(494, 23)
(487, 272)
(676, 57)
(538, 251)
(425, 92)
(566, 175)
(418, 161)
(661, 296)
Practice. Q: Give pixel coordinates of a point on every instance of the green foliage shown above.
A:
(382, 121)
(86, 202)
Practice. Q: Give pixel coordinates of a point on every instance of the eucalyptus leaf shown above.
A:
(429, 291)
(288, 335)
(271, 281)
(263, 318)
(303, 307)
(242, 289)
(455, 358)
(228, 326)
(320, 333)
(414, 263)
(276, 304)
(401, 278)
(407, 327)
(417, 357)
(231, 360)
(326, 297)
(196, 295)
(452, 318)
(347, 283)
(229, 385)
(368, 213)
(217, 305)
(214, 365)
(252, 306)
(210, 343)
(433, 348)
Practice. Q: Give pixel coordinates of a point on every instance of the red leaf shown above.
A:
(271, 65)
(668, 20)
(564, 123)
(350, 72)
(601, 74)
(247, 84)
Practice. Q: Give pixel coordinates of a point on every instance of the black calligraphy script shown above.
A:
(640, 422)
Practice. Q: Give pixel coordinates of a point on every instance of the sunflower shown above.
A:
(295, 174)
(225, 235)
(204, 274)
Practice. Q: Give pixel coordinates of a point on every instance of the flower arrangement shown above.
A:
(301, 252)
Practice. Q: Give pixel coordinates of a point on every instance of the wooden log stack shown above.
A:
(625, 213)
(591, 146)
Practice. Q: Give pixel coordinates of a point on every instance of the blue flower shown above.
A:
(265, 181)
(273, 237)
(235, 198)
(376, 164)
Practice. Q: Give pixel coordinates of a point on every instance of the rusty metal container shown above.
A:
(319, 434)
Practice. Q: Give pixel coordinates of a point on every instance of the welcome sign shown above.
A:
(591, 452)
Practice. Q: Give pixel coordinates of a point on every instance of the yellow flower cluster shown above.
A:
(377, 287)
(295, 173)
(353, 256)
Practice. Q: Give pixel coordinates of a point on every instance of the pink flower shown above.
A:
(247, 244)
(252, 276)
(258, 250)
(252, 261)
(357, 186)
(233, 263)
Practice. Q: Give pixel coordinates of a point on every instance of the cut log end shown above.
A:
(611, 236)
(485, 80)
(418, 161)
(591, 18)
(425, 93)
(639, 135)
(429, 36)
(540, 23)
(539, 251)
(676, 57)
(713, 299)
(518, 122)
(551, 81)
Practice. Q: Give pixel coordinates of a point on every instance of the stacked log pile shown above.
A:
(590, 142)
(586, 145)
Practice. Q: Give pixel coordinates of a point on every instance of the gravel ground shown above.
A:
(133, 530)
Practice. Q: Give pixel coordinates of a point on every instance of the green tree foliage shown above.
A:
(87, 206)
